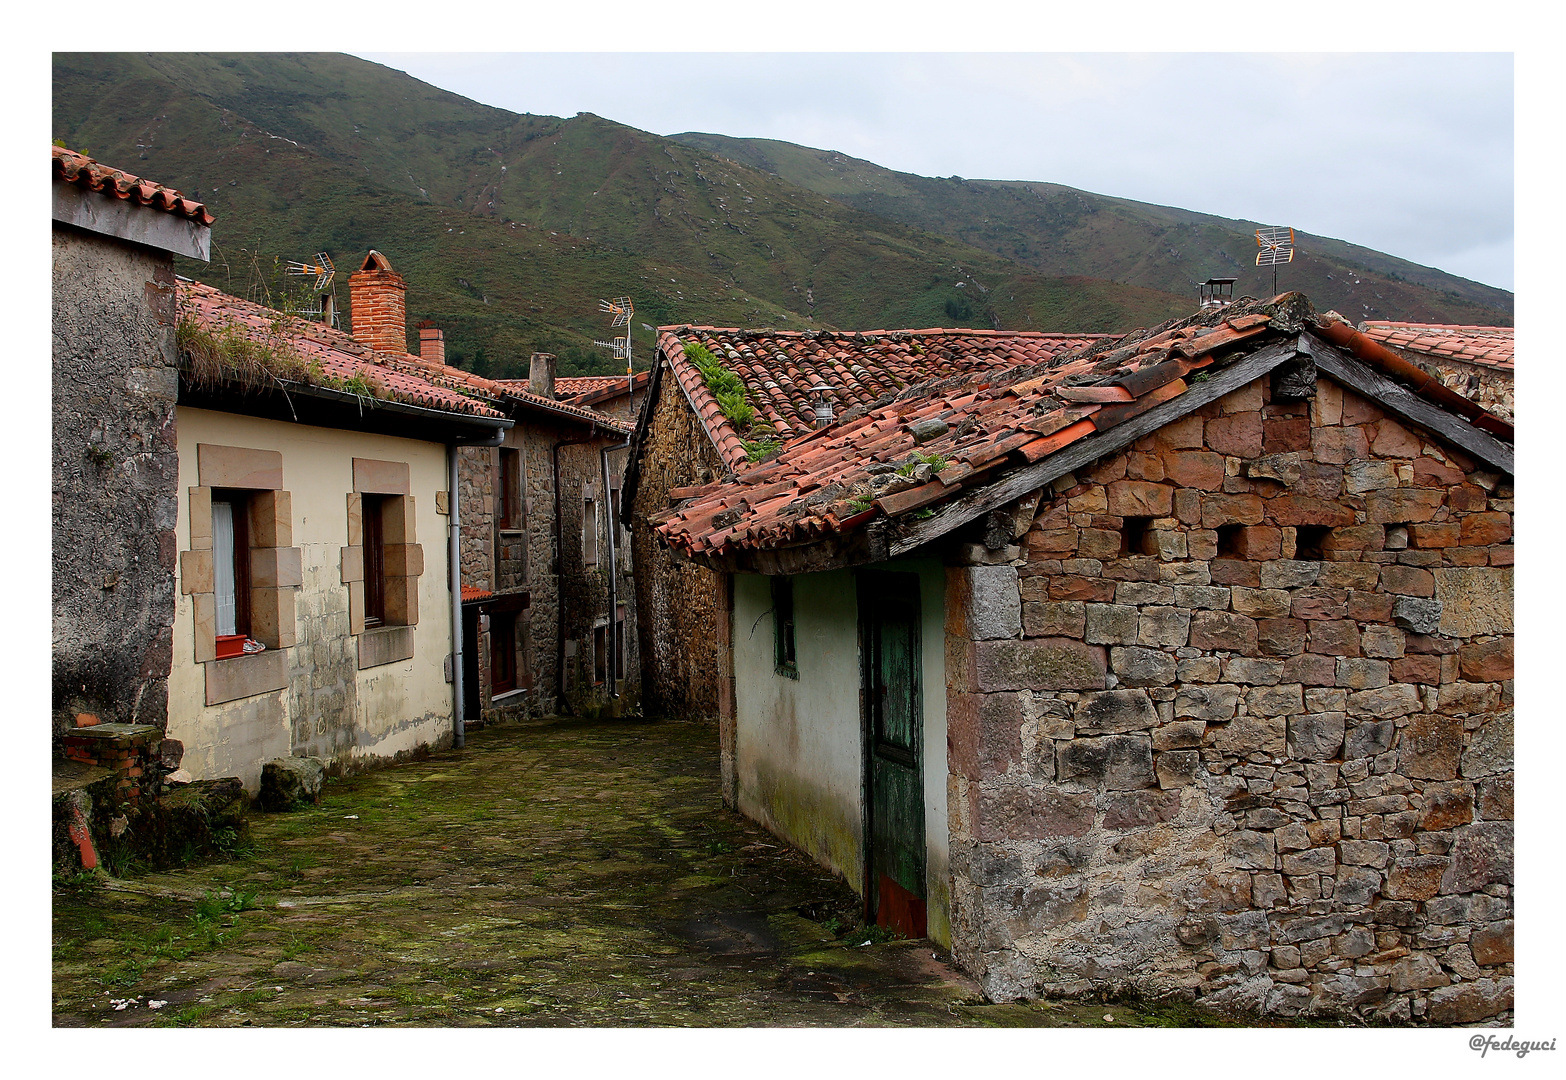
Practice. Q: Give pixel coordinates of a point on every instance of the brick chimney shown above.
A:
(541, 375)
(379, 301)
(432, 344)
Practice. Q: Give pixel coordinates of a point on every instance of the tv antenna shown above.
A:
(321, 273)
(1277, 246)
(622, 309)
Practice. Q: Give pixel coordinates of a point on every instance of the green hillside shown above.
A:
(1060, 230)
(508, 228)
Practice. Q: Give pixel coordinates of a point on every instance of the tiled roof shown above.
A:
(473, 592)
(1488, 346)
(779, 368)
(84, 172)
(405, 378)
(979, 422)
(583, 389)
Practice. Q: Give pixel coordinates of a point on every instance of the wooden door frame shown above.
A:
(863, 584)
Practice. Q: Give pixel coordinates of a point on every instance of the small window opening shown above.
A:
(590, 532)
(231, 561)
(1133, 536)
(1229, 541)
(1308, 540)
(600, 654)
(783, 626)
(502, 651)
(511, 506)
(374, 559)
(619, 643)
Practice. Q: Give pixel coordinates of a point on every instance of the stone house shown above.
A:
(684, 437)
(114, 473)
(1178, 664)
(1474, 361)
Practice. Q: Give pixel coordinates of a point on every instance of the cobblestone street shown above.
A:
(564, 874)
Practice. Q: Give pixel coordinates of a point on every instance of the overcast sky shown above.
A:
(1407, 153)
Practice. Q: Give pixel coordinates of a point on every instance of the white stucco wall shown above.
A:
(330, 707)
(798, 754)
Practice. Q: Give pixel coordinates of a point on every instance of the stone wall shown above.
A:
(1236, 723)
(1488, 387)
(115, 480)
(679, 603)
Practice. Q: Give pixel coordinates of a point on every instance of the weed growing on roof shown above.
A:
(756, 449)
(234, 355)
(937, 462)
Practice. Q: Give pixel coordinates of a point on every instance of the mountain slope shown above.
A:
(509, 227)
(1060, 230)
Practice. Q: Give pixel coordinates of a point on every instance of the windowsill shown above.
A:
(788, 671)
(508, 697)
(507, 530)
(385, 645)
(246, 675)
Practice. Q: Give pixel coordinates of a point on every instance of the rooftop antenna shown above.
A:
(1216, 292)
(321, 273)
(1277, 246)
(622, 309)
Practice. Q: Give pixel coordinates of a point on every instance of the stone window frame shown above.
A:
(276, 570)
(402, 561)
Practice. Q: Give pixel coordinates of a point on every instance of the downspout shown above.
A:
(560, 569)
(613, 524)
(454, 562)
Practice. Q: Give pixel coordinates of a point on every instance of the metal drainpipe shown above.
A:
(613, 524)
(454, 560)
(560, 570)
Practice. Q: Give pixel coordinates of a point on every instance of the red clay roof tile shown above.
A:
(84, 172)
(1487, 346)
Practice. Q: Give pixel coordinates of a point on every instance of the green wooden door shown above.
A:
(894, 776)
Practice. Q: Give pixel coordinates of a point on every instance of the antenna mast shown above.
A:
(322, 271)
(1277, 246)
(622, 309)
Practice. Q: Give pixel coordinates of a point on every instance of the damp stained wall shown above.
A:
(330, 708)
(798, 742)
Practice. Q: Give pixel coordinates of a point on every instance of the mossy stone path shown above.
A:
(568, 873)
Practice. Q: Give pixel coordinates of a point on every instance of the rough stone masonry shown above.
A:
(1237, 723)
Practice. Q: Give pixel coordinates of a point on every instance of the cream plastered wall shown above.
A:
(798, 751)
(329, 707)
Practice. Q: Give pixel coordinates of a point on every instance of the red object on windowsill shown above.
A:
(230, 645)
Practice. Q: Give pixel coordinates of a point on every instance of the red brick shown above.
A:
(1281, 436)
(1239, 435)
(1489, 661)
(1302, 510)
(1481, 530)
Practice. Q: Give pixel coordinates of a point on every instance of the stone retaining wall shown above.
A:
(1236, 723)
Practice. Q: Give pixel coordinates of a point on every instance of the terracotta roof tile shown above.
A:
(1487, 346)
(780, 368)
(996, 417)
(84, 172)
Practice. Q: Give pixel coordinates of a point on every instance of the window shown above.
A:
(783, 626)
(589, 530)
(511, 505)
(231, 561)
(502, 652)
(600, 654)
(374, 561)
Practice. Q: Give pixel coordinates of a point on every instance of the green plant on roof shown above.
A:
(233, 355)
(726, 386)
(937, 462)
(756, 449)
